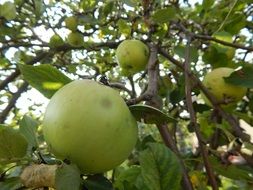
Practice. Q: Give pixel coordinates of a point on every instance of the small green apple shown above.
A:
(225, 93)
(75, 39)
(132, 56)
(89, 124)
(56, 41)
(71, 23)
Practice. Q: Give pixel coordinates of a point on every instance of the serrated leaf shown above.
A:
(98, 182)
(150, 114)
(242, 77)
(67, 177)
(130, 179)
(13, 145)
(28, 128)
(45, 78)
(12, 183)
(160, 168)
(164, 15)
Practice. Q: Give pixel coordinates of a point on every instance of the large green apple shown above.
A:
(71, 23)
(75, 39)
(132, 56)
(225, 93)
(90, 125)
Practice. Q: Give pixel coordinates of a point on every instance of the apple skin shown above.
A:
(71, 23)
(132, 56)
(75, 39)
(90, 125)
(224, 92)
(56, 41)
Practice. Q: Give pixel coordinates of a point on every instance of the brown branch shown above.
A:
(168, 140)
(12, 102)
(188, 91)
(152, 78)
(205, 37)
(210, 38)
(120, 86)
(16, 73)
(229, 118)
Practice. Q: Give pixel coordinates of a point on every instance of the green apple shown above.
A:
(56, 41)
(71, 23)
(89, 124)
(75, 39)
(225, 93)
(132, 56)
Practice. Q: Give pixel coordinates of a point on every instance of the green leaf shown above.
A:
(108, 7)
(28, 127)
(160, 168)
(207, 4)
(150, 114)
(45, 78)
(13, 145)
(98, 182)
(231, 171)
(130, 179)
(124, 28)
(38, 6)
(164, 15)
(67, 177)
(180, 51)
(8, 10)
(12, 183)
(242, 77)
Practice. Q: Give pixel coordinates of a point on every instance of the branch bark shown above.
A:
(12, 102)
(229, 118)
(193, 118)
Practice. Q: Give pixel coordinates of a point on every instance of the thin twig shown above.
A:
(188, 91)
(12, 102)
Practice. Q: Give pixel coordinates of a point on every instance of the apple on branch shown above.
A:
(225, 93)
(132, 56)
(90, 125)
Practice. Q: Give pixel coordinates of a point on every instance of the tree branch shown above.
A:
(12, 102)
(205, 37)
(152, 78)
(229, 118)
(188, 91)
(168, 140)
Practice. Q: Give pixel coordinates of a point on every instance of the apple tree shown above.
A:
(126, 94)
